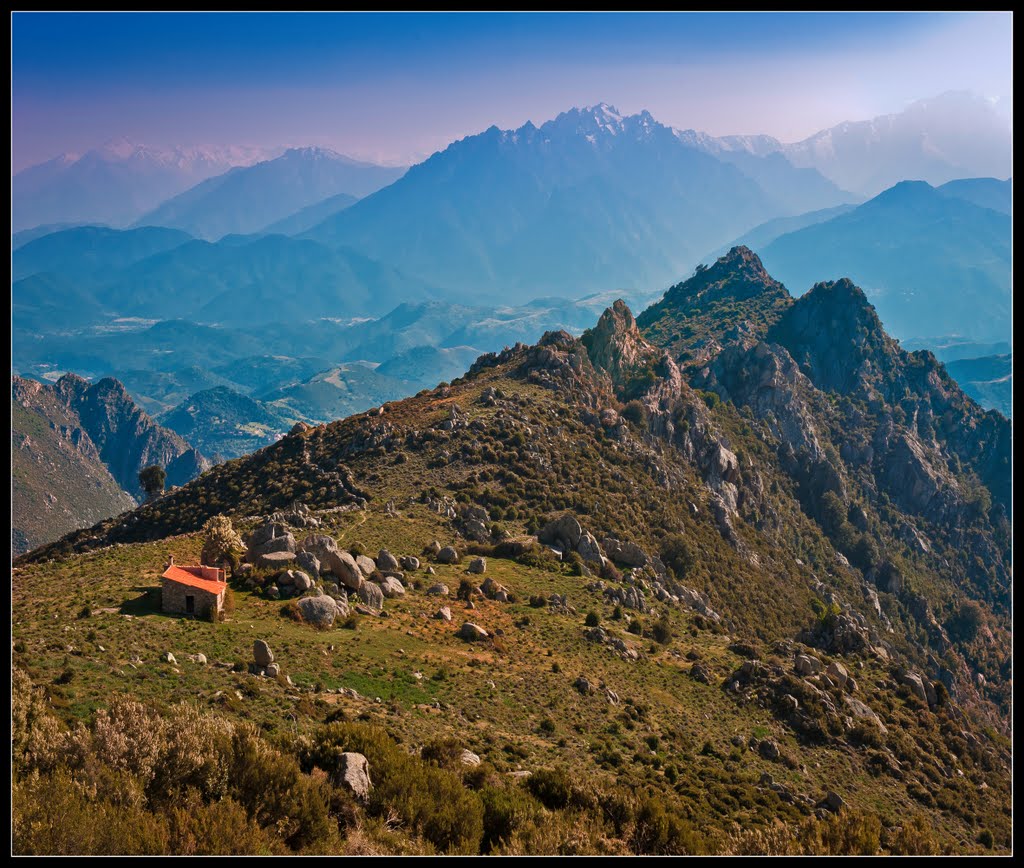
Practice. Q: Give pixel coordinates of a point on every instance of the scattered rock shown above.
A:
(564, 531)
(838, 674)
(443, 614)
(366, 565)
(472, 633)
(344, 568)
(769, 749)
(354, 773)
(438, 590)
(308, 563)
(319, 611)
(583, 686)
(468, 758)
(478, 565)
(448, 555)
(275, 560)
(168, 657)
(386, 561)
(432, 548)
(409, 563)
(372, 596)
(805, 664)
(272, 671)
(391, 588)
(261, 653)
(833, 802)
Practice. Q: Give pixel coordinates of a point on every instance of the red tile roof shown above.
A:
(182, 576)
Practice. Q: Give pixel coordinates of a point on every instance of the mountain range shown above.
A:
(932, 262)
(742, 555)
(248, 199)
(954, 135)
(116, 183)
(77, 449)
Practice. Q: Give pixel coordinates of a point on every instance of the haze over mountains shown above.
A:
(249, 199)
(116, 183)
(321, 259)
(954, 135)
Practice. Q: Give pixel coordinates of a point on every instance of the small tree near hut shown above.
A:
(221, 542)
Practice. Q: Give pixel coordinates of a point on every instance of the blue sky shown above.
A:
(396, 87)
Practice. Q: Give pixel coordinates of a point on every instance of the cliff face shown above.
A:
(77, 450)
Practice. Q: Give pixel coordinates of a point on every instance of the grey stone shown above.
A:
(443, 614)
(588, 549)
(478, 565)
(564, 531)
(386, 561)
(318, 611)
(472, 633)
(409, 563)
(468, 758)
(354, 773)
(309, 563)
(438, 590)
(272, 671)
(276, 560)
(371, 595)
(769, 749)
(261, 653)
(343, 566)
(391, 588)
(448, 555)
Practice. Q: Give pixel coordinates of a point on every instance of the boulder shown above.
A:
(468, 758)
(769, 749)
(168, 657)
(354, 773)
(583, 686)
(275, 560)
(273, 592)
(589, 550)
(833, 801)
(366, 565)
(272, 671)
(261, 653)
(448, 555)
(478, 566)
(916, 684)
(472, 633)
(302, 582)
(386, 561)
(475, 530)
(432, 548)
(318, 611)
(283, 543)
(564, 531)
(805, 664)
(344, 569)
(319, 545)
(391, 588)
(201, 659)
(837, 672)
(409, 563)
(308, 563)
(438, 590)
(443, 614)
(371, 595)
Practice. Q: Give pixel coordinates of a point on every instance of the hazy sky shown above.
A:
(396, 87)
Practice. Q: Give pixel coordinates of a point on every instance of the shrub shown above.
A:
(635, 412)
(592, 619)
(662, 630)
(677, 555)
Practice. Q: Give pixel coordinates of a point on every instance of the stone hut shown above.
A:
(192, 590)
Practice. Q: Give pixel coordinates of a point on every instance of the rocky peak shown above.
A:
(836, 337)
(615, 344)
(716, 299)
